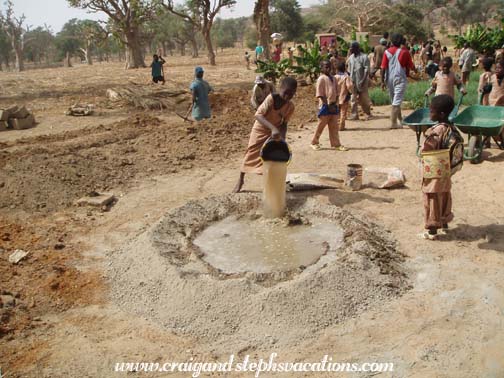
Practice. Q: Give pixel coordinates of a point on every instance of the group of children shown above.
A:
(274, 109)
(437, 190)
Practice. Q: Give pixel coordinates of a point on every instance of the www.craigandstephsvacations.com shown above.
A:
(255, 366)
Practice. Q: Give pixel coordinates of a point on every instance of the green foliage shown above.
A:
(251, 38)
(273, 71)
(312, 24)
(5, 46)
(228, 31)
(285, 18)
(343, 45)
(38, 43)
(414, 97)
(67, 40)
(480, 38)
(309, 61)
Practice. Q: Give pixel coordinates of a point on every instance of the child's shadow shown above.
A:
(491, 235)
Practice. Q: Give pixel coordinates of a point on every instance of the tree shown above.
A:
(286, 18)
(404, 19)
(463, 12)
(262, 21)
(201, 14)
(312, 24)
(39, 43)
(359, 14)
(90, 33)
(67, 41)
(5, 48)
(13, 28)
(127, 17)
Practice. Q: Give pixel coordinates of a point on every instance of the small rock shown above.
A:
(7, 301)
(17, 256)
(59, 246)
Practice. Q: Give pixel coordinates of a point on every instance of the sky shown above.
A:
(55, 13)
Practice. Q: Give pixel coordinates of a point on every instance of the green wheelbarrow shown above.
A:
(480, 123)
(419, 121)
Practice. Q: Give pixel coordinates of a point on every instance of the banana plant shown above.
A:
(309, 61)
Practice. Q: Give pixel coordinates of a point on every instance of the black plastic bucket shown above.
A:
(276, 150)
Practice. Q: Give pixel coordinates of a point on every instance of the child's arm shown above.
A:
(162, 60)
(260, 116)
(460, 85)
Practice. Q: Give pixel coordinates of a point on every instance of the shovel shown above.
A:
(186, 117)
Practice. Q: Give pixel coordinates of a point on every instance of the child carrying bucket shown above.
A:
(436, 181)
(271, 121)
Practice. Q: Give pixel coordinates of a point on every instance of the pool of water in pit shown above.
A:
(236, 245)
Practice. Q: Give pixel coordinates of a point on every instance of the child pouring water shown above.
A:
(271, 121)
(445, 80)
(436, 181)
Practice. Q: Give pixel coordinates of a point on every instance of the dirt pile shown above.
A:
(174, 286)
(44, 282)
(47, 173)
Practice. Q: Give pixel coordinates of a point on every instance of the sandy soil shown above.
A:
(65, 318)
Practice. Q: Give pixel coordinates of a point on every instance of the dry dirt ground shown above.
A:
(61, 313)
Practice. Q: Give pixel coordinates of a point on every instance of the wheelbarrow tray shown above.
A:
(481, 120)
(419, 120)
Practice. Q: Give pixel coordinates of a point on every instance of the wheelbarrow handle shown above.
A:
(460, 100)
(425, 101)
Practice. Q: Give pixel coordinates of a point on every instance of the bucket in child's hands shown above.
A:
(436, 164)
(276, 150)
(354, 176)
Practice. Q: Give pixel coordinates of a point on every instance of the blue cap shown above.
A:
(199, 70)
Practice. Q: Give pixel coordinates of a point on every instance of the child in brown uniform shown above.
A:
(445, 80)
(485, 79)
(327, 94)
(496, 96)
(271, 121)
(345, 87)
(437, 198)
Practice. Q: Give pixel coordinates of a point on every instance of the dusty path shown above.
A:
(448, 325)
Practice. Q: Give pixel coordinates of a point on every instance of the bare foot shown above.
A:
(239, 184)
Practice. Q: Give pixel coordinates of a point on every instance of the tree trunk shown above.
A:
(360, 26)
(182, 49)
(67, 62)
(88, 53)
(209, 46)
(19, 58)
(164, 49)
(134, 50)
(194, 44)
(262, 21)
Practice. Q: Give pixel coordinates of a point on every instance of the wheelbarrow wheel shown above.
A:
(475, 149)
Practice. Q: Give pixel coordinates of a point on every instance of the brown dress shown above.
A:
(485, 78)
(496, 97)
(437, 198)
(278, 117)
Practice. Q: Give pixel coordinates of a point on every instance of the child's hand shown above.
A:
(463, 91)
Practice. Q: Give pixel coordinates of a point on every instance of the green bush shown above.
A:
(414, 98)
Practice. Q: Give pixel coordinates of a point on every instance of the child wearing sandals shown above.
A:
(328, 114)
(437, 200)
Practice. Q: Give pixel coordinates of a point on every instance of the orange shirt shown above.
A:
(345, 86)
(327, 86)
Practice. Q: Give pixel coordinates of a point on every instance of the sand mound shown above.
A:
(248, 310)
